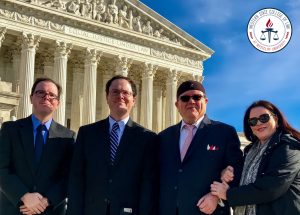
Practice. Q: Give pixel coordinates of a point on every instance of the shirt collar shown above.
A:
(36, 122)
(121, 123)
(196, 124)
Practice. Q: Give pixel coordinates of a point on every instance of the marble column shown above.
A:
(171, 88)
(106, 76)
(157, 107)
(2, 35)
(48, 64)
(163, 109)
(77, 94)
(30, 43)
(89, 87)
(16, 58)
(148, 73)
(135, 112)
(61, 54)
(122, 65)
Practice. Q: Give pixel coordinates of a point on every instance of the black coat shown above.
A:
(182, 184)
(96, 186)
(19, 174)
(276, 191)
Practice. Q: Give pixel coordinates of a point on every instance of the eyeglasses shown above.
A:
(43, 94)
(124, 93)
(194, 97)
(262, 118)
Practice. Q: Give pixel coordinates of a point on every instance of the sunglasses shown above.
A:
(194, 97)
(262, 118)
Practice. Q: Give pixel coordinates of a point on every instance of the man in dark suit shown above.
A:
(35, 155)
(192, 155)
(114, 168)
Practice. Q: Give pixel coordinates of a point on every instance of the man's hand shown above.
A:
(33, 204)
(208, 203)
(227, 174)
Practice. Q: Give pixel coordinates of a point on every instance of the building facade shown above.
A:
(81, 44)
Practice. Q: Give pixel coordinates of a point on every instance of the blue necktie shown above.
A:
(39, 142)
(114, 141)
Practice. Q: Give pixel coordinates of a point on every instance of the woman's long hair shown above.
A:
(282, 122)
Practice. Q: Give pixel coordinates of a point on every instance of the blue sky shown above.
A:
(237, 74)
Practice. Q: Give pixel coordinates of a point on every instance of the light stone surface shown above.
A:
(69, 36)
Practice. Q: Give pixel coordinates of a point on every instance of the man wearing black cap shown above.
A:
(192, 155)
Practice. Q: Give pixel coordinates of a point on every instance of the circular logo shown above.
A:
(269, 30)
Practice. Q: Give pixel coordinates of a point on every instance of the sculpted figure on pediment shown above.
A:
(147, 29)
(158, 33)
(57, 4)
(123, 20)
(86, 9)
(175, 40)
(112, 12)
(136, 24)
(100, 11)
(73, 6)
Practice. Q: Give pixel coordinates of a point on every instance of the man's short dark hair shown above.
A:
(132, 84)
(45, 79)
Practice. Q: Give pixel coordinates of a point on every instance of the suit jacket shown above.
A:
(19, 172)
(214, 147)
(98, 187)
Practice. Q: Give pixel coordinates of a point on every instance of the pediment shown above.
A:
(131, 15)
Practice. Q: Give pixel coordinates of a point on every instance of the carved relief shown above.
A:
(112, 12)
(176, 58)
(73, 6)
(133, 22)
(2, 35)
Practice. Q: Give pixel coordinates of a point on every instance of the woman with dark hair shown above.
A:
(270, 182)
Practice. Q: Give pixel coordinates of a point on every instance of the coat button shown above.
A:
(110, 181)
(175, 188)
(34, 188)
(180, 170)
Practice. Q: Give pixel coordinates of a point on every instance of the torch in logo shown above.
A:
(269, 30)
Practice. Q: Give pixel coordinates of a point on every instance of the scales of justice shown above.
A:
(269, 30)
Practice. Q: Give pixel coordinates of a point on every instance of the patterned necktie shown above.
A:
(114, 141)
(187, 141)
(39, 142)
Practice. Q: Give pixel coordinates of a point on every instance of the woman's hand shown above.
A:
(219, 189)
(227, 174)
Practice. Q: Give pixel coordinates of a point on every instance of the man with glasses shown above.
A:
(193, 154)
(114, 168)
(35, 156)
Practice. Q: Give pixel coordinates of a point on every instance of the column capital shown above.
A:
(198, 78)
(2, 34)
(122, 65)
(173, 76)
(149, 70)
(62, 49)
(92, 56)
(30, 41)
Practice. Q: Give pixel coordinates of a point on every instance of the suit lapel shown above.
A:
(127, 137)
(175, 143)
(26, 131)
(102, 133)
(198, 138)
